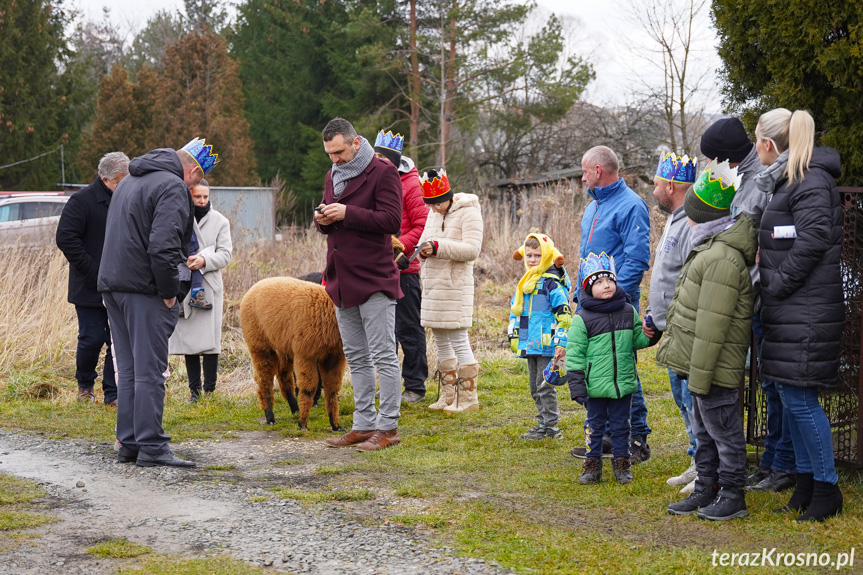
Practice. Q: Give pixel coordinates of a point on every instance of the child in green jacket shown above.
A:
(707, 334)
(600, 364)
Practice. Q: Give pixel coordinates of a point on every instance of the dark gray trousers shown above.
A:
(140, 326)
(545, 398)
(721, 446)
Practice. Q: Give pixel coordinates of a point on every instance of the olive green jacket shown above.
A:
(709, 321)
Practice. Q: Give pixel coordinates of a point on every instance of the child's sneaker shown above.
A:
(536, 432)
(622, 472)
(591, 472)
(199, 300)
(729, 504)
(553, 433)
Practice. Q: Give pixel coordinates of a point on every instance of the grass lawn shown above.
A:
(485, 491)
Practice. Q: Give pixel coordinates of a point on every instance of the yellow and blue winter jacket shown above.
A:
(545, 316)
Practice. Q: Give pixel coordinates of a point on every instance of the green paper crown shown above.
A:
(717, 185)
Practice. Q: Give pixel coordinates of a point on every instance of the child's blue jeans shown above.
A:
(615, 413)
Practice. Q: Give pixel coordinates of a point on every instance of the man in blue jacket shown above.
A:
(617, 222)
(80, 236)
(149, 226)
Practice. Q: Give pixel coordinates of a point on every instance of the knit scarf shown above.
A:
(612, 304)
(766, 180)
(346, 172)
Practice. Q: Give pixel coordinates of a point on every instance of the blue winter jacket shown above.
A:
(536, 331)
(617, 222)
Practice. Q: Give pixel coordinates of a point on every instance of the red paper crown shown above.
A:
(435, 187)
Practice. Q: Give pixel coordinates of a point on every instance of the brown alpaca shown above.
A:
(290, 327)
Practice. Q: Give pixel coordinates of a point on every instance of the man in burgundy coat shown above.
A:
(362, 208)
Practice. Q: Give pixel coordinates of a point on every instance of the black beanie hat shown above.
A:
(726, 139)
(391, 155)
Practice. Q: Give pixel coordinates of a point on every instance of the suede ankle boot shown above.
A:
(802, 495)
(826, 502)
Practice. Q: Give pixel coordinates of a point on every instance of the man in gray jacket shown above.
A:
(674, 175)
(147, 235)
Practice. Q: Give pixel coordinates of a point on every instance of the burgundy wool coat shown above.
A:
(359, 248)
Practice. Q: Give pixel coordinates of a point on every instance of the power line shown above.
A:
(31, 159)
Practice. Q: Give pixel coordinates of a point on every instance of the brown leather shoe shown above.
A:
(86, 394)
(112, 403)
(349, 439)
(380, 440)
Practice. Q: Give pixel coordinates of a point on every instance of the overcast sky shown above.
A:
(595, 30)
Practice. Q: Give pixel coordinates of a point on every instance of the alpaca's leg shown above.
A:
(307, 380)
(332, 382)
(264, 367)
(286, 382)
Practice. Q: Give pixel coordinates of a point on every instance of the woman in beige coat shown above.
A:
(450, 243)
(199, 331)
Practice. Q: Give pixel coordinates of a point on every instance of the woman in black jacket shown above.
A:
(802, 296)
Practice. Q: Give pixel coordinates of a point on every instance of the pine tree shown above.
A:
(199, 95)
(32, 100)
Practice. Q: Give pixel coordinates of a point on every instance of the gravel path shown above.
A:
(195, 513)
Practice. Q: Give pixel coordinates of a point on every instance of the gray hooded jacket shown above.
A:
(671, 253)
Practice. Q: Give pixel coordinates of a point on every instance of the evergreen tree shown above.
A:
(199, 95)
(32, 97)
(798, 54)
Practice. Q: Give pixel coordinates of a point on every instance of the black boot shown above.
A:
(760, 474)
(730, 503)
(802, 495)
(826, 502)
(591, 472)
(704, 494)
(775, 481)
(622, 472)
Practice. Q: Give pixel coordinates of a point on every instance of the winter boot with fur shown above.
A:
(591, 472)
(802, 495)
(826, 502)
(465, 398)
(446, 376)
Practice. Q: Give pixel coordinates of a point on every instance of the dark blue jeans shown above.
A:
(683, 399)
(716, 423)
(93, 334)
(810, 431)
(614, 413)
(778, 448)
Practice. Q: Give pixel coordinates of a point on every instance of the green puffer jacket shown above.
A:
(709, 321)
(599, 358)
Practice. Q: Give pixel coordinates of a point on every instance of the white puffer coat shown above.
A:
(447, 278)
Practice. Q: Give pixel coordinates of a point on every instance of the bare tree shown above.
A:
(680, 84)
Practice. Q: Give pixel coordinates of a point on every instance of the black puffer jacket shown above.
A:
(80, 235)
(803, 310)
(149, 227)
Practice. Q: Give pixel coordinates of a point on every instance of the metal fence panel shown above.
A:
(251, 212)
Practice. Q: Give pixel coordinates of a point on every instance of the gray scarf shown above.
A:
(767, 179)
(701, 232)
(344, 173)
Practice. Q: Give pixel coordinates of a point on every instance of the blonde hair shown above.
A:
(792, 131)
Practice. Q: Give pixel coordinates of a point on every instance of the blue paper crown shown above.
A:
(390, 141)
(554, 374)
(596, 264)
(202, 153)
(679, 169)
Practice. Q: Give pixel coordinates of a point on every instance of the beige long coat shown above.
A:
(447, 278)
(200, 330)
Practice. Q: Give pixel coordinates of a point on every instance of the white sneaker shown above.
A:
(689, 488)
(685, 477)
